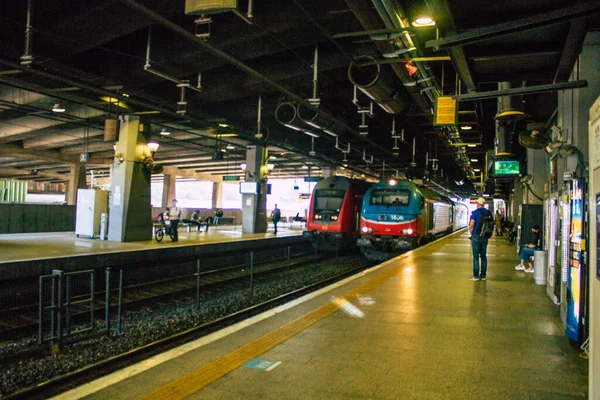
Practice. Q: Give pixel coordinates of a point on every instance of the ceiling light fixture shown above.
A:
(243, 166)
(477, 170)
(397, 52)
(474, 160)
(223, 125)
(292, 127)
(309, 133)
(330, 133)
(58, 108)
(153, 147)
(165, 132)
(230, 147)
(471, 145)
(423, 20)
(466, 127)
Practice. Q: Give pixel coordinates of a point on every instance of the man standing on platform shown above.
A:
(480, 217)
(174, 217)
(275, 216)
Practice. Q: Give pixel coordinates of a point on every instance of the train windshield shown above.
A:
(390, 197)
(329, 200)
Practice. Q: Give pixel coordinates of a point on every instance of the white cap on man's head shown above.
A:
(481, 201)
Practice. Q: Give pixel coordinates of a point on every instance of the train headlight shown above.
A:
(392, 182)
(409, 231)
(334, 217)
(317, 216)
(366, 229)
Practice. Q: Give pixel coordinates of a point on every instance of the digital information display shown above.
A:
(511, 167)
(249, 187)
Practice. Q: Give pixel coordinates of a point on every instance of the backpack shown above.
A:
(486, 225)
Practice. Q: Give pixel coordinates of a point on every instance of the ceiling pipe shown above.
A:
(166, 23)
(148, 67)
(27, 58)
(380, 89)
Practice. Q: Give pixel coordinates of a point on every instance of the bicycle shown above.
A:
(165, 229)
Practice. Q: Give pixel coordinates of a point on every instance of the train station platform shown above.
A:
(33, 254)
(413, 327)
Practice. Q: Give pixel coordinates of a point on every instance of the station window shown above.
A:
(231, 196)
(289, 200)
(194, 194)
(156, 192)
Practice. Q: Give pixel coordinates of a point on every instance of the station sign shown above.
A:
(231, 178)
(304, 196)
(313, 178)
(446, 111)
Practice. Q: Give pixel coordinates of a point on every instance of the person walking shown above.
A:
(535, 243)
(174, 216)
(275, 216)
(479, 241)
(498, 223)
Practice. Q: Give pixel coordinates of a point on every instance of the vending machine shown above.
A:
(577, 265)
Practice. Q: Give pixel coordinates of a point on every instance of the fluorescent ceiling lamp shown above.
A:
(313, 124)
(293, 127)
(466, 127)
(472, 145)
(270, 167)
(398, 52)
(223, 125)
(474, 160)
(58, 108)
(330, 133)
(230, 147)
(272, 158)
(146, 112)
(309, 133)
(165, 132)
(477, 170)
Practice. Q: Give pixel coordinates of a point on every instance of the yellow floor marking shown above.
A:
(203, 376)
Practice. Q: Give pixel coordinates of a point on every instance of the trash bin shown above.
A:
(540, 266)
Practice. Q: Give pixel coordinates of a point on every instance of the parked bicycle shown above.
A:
(165, 229)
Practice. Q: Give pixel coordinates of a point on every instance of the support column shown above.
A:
(217, 198)
(169, 190)
(130, 210)
(254, 206)
(76, 181)
(328, 172)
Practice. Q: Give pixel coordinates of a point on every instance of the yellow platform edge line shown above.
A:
(203, 376)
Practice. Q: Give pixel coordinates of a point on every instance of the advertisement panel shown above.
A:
(575, 262)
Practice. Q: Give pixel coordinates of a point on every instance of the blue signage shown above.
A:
(263, 365)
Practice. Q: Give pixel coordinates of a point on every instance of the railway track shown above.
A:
(22, 321)
(64, 382)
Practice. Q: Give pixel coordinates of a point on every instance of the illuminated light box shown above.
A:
(507, 167)
(249, 187)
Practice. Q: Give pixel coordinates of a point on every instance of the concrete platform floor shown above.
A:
(34, 246)
(414, 328)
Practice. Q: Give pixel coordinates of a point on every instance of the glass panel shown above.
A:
(329, 200)
(389, 197)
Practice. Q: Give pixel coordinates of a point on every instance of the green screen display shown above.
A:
(506, 168)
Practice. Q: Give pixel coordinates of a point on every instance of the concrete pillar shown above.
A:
(130, 210)
(328, 172)
(254, 213)
(169, 190)
(217, 197)
(76, 181)
(537, 161)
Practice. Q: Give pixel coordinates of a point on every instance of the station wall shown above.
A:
(33, 218)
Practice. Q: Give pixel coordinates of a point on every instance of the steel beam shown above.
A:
(579, 10)
(571, 49)
(521, 91)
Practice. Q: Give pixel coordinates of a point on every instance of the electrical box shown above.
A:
(91, 204)
(204, 7)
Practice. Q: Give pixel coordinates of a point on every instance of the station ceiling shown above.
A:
(103, 58)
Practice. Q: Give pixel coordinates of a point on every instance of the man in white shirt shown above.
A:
(174, 217)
